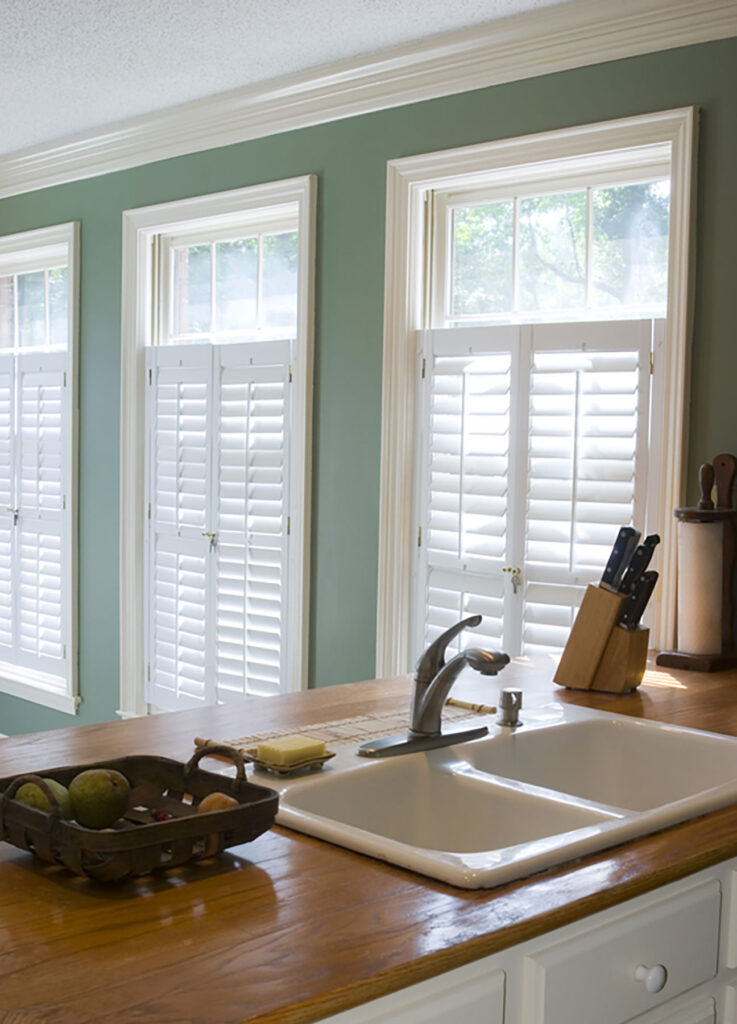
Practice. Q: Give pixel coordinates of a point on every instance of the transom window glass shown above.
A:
(600, 251)
(34, 308)
(234, 289)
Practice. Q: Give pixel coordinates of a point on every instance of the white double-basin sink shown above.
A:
(568, 781)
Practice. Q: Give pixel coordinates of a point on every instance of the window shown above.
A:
(38, 288)
(522, 424)
(223, 327)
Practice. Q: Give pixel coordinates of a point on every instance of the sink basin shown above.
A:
(622, 762)
(426, 801)
(569, 781)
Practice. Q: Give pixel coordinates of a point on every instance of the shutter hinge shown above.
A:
(64, 652)
(148, 673)
(64, 501)
(149, 510)
(150, 375)
(424, 361)
(289, 525)
(290, 373)
(652, 363)
(419, 536)
(65, 378)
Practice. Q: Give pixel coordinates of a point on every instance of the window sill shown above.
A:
(37, 688)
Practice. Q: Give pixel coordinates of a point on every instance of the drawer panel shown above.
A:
(468, 995)
(704, 1012)
(591, 977)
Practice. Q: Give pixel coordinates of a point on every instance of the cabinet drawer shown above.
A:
(468, 995)
(594, 976)
(703, 1012)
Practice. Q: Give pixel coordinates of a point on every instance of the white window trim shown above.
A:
(60, 240)
(139, 226)
(408, 182)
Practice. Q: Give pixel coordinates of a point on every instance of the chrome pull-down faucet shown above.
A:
(432, 684)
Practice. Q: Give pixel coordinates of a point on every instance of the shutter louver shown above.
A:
(39, 534)
(251, 520)
(178, 417)
(587, 419)
(7, 430)
(464, 498)
(179, 596)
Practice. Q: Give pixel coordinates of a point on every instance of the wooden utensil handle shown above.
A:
(725, 467)
(706, 482)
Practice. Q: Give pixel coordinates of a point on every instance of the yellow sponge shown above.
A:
(289, 749)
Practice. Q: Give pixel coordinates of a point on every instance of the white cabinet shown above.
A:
(637, 960)
(668, 957)
(467, 995)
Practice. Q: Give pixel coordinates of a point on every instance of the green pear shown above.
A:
(33, 796)
(99, 797)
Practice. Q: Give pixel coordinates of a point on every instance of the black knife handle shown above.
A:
(616, 558)
(636, 603)
(639, 562)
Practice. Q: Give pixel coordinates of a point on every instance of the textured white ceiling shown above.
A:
(68, 66)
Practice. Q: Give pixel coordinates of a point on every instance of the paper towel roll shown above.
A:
(700, 567)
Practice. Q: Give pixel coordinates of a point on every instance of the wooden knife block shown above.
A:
(600, 655)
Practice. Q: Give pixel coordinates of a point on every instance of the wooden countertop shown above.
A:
(287, 930)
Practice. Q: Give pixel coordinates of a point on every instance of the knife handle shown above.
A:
(706, 482)
(725, 467)
(618, 557)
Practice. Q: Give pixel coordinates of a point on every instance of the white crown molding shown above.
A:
(551, 39)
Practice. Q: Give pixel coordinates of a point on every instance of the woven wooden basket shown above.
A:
(140, 842)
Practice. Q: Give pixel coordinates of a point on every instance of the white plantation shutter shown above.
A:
(217, 422)
(251, 519)
(178, 420)
(464, 488)
(38, 537)
(531, 439)
(587, 463)
(7, 431)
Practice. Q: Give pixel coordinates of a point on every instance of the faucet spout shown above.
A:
(427, 708)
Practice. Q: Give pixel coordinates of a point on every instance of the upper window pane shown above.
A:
(630, 245)
(236, 285)
(552, 252)
(571, 255)
(234, 289)
(483, 258)
(31, 309)
(58, 306)
(279, 285)
(7, 312)
(192, 283)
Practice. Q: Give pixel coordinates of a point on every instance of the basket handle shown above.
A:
(9, 794)
(221, 750)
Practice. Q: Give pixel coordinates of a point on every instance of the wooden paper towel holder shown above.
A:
(720, 472)
(601, 655)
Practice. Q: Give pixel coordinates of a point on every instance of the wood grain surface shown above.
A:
(286, 929)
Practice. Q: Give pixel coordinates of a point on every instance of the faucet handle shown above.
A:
(434, 657)
(510, 702)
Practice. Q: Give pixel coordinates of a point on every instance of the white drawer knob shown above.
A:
(653, 978)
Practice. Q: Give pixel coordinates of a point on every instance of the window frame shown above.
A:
(41, 249)
(588, 148)
(257, 204)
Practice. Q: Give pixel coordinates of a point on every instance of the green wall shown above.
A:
(349, 158)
